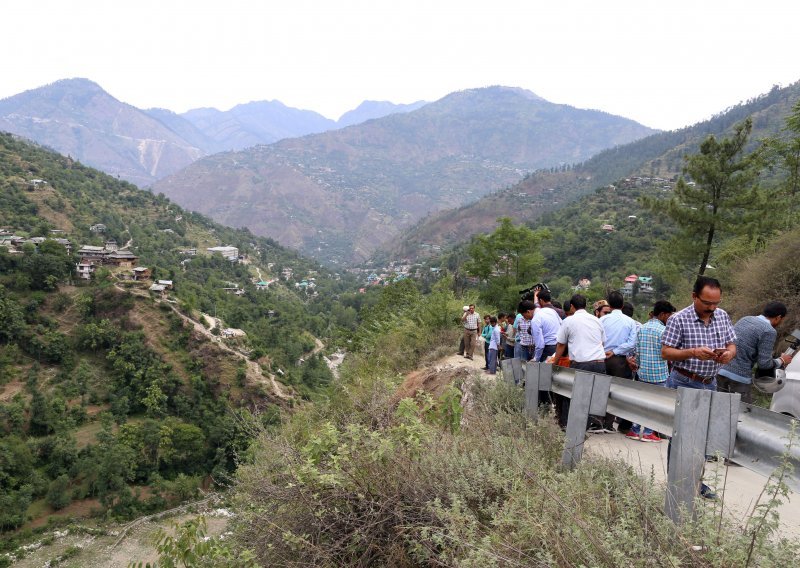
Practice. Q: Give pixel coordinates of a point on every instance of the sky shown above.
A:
(666, 64)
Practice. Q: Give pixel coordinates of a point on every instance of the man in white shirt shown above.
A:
(471, 320)
(582, 336)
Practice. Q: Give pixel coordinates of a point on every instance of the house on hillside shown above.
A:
(167, 284)
(92, 254)
(141, 273)
(646, 285)
(232, 333)
(583, 284)
(98, 228)
(227, 252)
(608, 228)
(627, 288)
(122, 259)
(85, 270)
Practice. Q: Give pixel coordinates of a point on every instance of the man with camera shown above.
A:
(471, 321)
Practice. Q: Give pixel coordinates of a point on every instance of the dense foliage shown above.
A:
(110, 394)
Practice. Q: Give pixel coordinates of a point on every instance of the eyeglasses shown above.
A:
(707, 303)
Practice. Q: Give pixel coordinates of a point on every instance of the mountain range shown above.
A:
(660, 155)
(76, 117)
(339, 195)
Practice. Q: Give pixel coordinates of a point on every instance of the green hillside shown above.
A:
(659, 155)
(339, 195)
(113, 396)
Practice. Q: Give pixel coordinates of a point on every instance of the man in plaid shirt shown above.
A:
(699, 340)
(651, 368)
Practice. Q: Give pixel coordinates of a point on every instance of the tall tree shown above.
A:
(506, 259)
(718, 195)
(783, 154)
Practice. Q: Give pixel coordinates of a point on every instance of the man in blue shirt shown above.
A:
(620, 342)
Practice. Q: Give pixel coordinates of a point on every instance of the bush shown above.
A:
(772, 275)
(372, 484)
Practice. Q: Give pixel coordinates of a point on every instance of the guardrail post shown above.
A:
(508, 370)
(589, 396)
(705, 424)
(519, 373)
(538, 377)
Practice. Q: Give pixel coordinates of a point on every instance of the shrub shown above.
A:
(379, 485)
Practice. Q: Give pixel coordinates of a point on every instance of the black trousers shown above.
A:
(562, 402)
(617, 366)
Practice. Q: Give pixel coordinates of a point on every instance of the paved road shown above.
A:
(741, 486)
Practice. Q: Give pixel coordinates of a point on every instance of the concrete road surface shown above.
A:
(740, 488)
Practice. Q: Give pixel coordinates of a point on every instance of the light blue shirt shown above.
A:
(544, 329)
(495, 338)
(620, 333)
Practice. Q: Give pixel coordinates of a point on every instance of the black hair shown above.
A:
(525, 305)
(663, 307)
(545, 296)
(567, 305)
(615, 300)
(579, 301)
(556, 304)
(774, 309)
(705, 281)
(501, 315)
(627, 309)
(493, 320)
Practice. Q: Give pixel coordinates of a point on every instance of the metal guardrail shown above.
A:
(700, 422)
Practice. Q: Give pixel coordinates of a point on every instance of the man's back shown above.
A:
(584, 336)
(755, 340)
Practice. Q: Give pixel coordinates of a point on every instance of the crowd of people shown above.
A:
(696, 347)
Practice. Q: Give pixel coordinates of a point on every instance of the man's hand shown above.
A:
(704, 353)
(551, 359)
(786, 359)
(726, 357)
(609, 354)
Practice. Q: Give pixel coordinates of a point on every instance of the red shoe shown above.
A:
(651, 437)
(632, 435)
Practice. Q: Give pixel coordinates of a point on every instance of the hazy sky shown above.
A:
(666, 63)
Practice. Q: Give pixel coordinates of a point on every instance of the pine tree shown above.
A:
(718, 195)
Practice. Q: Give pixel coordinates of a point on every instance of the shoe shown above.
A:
(595, 429)
(631, 435)
(707, 493)
(651, 437)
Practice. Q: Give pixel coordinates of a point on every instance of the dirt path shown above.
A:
(255, 373)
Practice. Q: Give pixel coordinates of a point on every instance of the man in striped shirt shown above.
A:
(525, 347)
(651, 368)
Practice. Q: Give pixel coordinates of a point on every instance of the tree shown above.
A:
(783, 154)
(720, 196)
(506, 259)
(58, 495)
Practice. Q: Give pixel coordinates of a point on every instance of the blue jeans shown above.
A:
(510, 351)
(492, 361)
(524, 352)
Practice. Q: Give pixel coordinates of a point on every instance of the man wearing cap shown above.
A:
(471, 321)
(755, 341)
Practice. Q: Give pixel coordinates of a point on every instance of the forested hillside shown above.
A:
(338, 195)
(659, 155)
(126, 392)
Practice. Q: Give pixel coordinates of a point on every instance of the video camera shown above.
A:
(527, 293)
